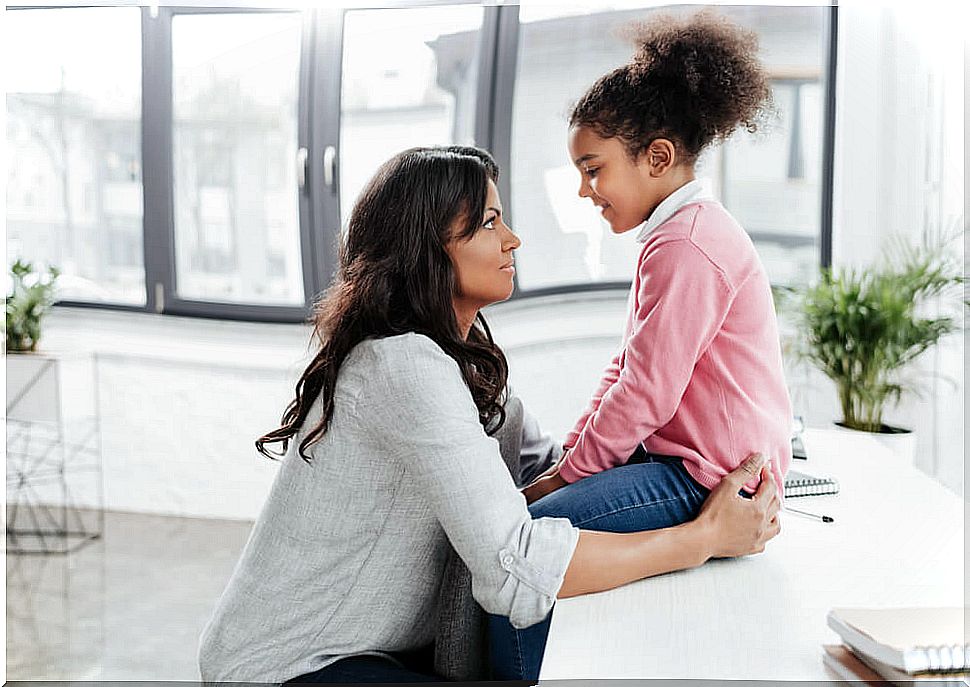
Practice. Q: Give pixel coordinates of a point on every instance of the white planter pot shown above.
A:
(900, 444)
(33, 387)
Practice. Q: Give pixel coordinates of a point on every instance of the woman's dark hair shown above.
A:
(692, 81)
(395, 277)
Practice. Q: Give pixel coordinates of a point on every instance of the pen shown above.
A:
(813, 516)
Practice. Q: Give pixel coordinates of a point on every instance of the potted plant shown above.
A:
(31, 297)
(863, 327)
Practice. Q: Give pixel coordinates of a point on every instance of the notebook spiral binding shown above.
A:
(800, 484)
(944, 658)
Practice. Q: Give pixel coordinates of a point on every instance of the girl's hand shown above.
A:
(546, 483)
(736, 526)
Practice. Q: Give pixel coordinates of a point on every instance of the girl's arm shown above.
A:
(682, 301)
(608, 379)
(727, 526)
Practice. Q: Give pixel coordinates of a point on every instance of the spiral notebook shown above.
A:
(799, 484)
(859, 668)
(913, 640)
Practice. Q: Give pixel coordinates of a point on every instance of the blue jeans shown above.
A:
(648, 493)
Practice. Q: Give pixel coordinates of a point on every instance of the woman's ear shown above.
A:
(660, 156)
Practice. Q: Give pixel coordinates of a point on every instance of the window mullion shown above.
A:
(156, 141)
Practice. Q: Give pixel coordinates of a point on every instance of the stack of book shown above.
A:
(900, 646)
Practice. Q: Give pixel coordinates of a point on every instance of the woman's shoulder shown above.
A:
(393, 350)
(410, 359)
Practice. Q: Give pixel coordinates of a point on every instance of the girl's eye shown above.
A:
(591, 172)
(490, 223)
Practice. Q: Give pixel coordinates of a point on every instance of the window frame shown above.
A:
(318, 128)
(157, 154)
(507, 52)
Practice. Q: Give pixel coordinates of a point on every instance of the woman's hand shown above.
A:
(546, 483)
(736, 526)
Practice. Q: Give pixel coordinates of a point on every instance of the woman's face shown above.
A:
(623, 189)
(483, 263)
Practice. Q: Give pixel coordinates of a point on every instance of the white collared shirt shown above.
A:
(691, 192)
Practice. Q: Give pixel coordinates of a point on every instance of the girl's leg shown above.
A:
(651, 495)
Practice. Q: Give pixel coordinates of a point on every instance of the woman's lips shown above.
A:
(510, 268)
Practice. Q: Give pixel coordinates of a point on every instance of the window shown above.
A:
(235, 84)
(235, 98)
(418, 89)
(771, 182)
(74, 194)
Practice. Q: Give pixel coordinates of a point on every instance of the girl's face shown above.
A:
(483, 263)
(626, 191)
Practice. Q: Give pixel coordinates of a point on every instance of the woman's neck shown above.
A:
(465, 318)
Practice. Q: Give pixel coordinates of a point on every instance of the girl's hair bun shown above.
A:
(693, 80)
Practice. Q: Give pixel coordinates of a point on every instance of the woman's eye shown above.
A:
(592, 172)
(489, 223)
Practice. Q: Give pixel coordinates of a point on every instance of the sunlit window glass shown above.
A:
(74, 193)
(235, 81)
(409, 79)
(771, 181)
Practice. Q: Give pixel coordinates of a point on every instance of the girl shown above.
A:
(698, 381)
(388, 465)
(699, 373)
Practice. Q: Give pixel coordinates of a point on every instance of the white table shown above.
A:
(897, 540)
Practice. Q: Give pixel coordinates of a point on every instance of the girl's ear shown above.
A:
(660, 156)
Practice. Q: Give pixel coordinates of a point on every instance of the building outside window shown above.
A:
(74, 153)
(237, 231)
(769, 181)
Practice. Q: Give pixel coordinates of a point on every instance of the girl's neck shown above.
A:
(679, 175)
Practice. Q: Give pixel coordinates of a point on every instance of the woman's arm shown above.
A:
(728, 525)
(539, 450)
(417, 410)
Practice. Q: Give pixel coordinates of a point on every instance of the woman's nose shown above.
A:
(512, 240)
(584, 190)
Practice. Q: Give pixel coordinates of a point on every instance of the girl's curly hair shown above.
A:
(692, 81)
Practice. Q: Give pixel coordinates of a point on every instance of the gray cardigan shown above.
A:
(461, 645)
(348, 553)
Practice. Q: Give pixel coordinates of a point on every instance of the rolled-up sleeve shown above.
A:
(421, 411)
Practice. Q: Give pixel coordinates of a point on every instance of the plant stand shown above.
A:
(55, 494)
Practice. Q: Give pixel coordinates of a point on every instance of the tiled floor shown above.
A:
(127, 606)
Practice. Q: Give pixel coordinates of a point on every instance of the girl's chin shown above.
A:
(618, 228)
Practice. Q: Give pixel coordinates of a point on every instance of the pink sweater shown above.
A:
(699, 373)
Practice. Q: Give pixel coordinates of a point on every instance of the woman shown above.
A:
(387, 460)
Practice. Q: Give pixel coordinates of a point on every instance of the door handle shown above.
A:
(329, 165)
(302, 155)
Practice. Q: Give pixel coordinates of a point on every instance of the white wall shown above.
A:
(899, 170)
(182, 400)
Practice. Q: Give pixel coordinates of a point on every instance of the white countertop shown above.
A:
(897, 540)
